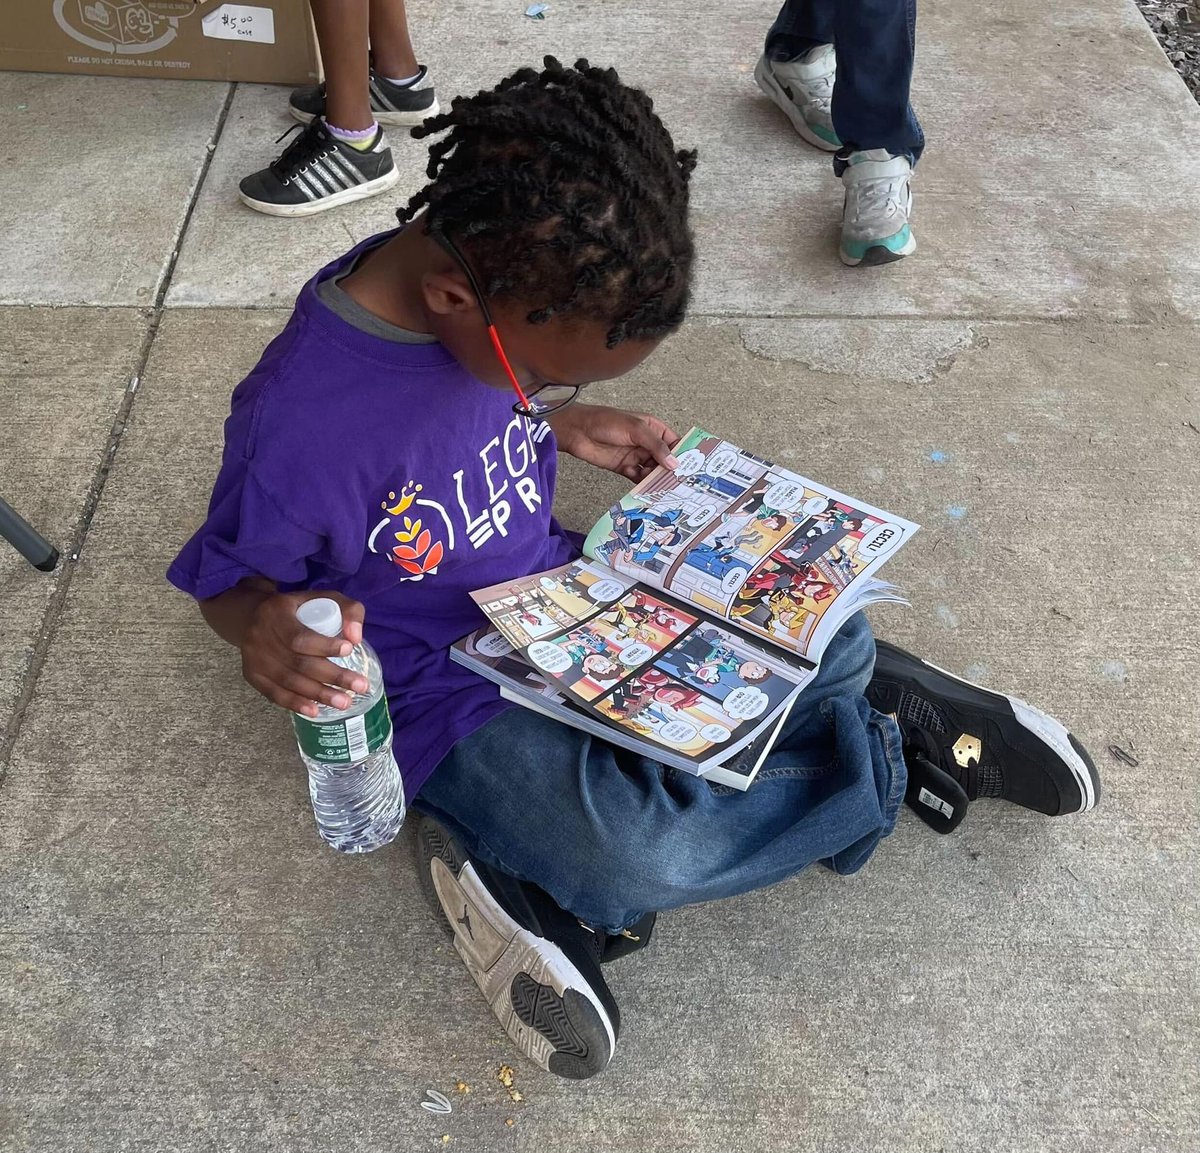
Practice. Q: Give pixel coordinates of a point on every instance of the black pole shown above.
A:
(38, 551)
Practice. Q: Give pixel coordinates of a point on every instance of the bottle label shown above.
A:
(344, 742)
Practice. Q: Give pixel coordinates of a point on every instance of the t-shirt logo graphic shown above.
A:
(505, 485)
(417, 552)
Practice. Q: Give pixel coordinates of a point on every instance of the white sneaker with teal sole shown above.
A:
(803, 89)
(875, 218)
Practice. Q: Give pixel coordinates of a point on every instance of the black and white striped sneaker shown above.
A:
(536, 965)
(962, 742)
(317, 171)
(399, 104)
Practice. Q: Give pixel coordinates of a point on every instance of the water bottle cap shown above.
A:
(322, 616)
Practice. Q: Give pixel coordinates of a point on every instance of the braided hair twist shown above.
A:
(566, 193)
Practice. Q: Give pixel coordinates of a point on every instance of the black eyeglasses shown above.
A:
(537, 404)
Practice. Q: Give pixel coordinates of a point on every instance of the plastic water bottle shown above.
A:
(353, 779)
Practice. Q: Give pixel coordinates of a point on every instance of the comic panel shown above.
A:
(494, 649)
(645, 532)
(642, 537)
(713, 465)
(658, 708)
(591, 658)
(534, 607)
(720, 561)
(833, 533)
(641, 617)
(786, 596)
(744, 678)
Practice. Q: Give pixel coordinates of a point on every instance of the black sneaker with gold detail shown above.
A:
(962, 742)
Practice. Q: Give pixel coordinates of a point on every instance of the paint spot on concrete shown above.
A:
(977, 673)
(875, 474)
(946, 617)
(1114, 671)
(956, 511)
(1013, 437)
(939, 456)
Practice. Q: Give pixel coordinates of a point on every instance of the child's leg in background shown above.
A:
(391, 46)
(343, 155)
(874, 44)
(342, 32)
(611, 836)
(801, 25)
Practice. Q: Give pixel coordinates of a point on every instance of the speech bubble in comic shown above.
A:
(493, 645)
(785, 495)
(698, 517)
(745, 704)
(511, 601)
(880, 541)
(721, 462)
(548, 583)
(677, 732)
(606, 590)
(636, 654)
(549, 657)
(715, 733)
(814, 505)
(689, 463)
(734, 579)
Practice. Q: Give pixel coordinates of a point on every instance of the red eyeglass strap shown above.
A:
(503, 358)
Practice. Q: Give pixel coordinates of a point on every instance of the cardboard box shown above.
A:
(266, 41)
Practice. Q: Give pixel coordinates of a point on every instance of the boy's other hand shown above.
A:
(289, 664)
(628, 443)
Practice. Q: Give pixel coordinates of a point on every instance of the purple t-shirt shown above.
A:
(387, 472)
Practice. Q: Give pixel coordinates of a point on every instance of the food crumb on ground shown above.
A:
(508, 1121)
(463, 1087)
(505, 1076)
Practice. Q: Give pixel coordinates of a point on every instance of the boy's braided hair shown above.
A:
(565, 191)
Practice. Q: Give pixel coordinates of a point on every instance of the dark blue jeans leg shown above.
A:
(875, 45)
(611, 835)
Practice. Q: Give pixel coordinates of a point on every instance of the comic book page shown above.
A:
(773, 552)
(644, 662)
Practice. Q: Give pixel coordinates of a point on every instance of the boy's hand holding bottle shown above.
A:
(290, 664)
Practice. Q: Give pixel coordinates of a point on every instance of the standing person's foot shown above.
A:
(317, 171)
(536, 965)
(803, 88)
(391, 103)
(875, 216)
(962, 742)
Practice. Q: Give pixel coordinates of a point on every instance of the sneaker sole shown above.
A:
(769, 85)
(391, 119)
(879, 254)
(362, 191)
(545, 1004)
(1045, 729)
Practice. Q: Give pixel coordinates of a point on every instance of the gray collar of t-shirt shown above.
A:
(339, 301)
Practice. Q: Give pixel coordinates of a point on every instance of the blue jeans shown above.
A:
(873, 41)
(612, 836)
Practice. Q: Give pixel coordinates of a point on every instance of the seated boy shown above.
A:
(375, 454)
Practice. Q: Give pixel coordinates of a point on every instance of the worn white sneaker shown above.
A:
(875, 217)
(803, 88)
(537, 965)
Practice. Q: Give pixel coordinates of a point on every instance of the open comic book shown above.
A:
(699, 611)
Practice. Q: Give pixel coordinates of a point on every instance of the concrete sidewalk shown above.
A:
(184, 966)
